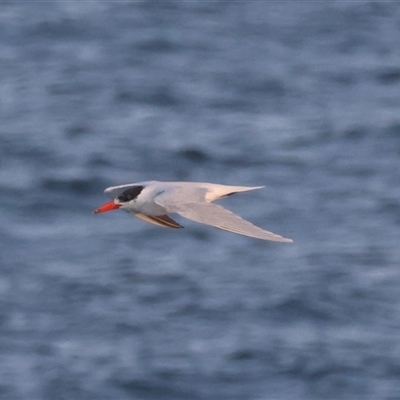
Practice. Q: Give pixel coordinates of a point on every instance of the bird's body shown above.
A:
(153, 201)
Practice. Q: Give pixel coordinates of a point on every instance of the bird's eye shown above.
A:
(125, 197)
(130, 194)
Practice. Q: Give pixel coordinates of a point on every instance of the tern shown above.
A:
(152, 201)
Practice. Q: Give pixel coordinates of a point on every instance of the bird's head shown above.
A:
(124, 200)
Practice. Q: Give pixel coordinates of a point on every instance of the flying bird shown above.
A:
(153, 201)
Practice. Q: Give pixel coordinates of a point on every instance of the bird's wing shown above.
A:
(170, 198)
(159, 220)
(217, 216)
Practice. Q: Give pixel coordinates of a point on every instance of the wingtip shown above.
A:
(284, 239)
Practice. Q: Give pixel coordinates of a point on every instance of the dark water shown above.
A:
(302, 97)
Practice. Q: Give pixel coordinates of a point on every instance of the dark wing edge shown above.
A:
(159, 220)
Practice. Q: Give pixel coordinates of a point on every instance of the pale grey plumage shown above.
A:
(211, 214)
(191, 200)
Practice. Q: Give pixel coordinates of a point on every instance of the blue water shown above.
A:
(302, 97)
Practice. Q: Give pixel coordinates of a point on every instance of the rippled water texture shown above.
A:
(302, 97)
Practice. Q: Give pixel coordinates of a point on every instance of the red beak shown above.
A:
(107, 207)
